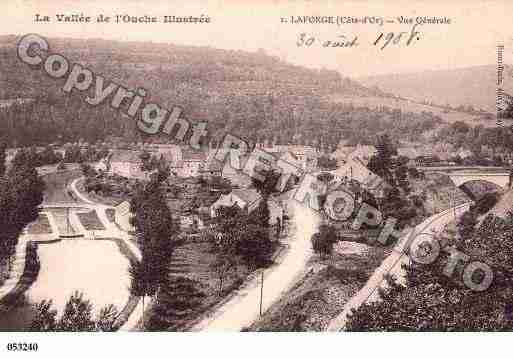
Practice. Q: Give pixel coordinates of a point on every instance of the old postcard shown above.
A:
(255, 166)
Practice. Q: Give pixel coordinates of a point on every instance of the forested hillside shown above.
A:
(250, 94)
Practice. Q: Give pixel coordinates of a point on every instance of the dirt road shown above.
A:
(243, 308)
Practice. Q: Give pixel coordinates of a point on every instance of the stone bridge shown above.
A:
(461, 175)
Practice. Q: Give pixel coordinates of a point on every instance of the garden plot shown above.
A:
(40, 226)
(90, 221)
(60, 214)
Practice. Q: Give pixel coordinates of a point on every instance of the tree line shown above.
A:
(21, 193)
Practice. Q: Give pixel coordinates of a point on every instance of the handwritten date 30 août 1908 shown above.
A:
(381, 41)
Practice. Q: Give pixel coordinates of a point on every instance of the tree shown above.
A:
(244, 235)
(254, 245)
(176, 302)
(48, 156)
(44, 319)
(324, 240)
(21, 193)
(432, 301)
(77, 316)
(325, 177)
(156, 232)
(107, 319)
(383, 162)
(467, 224)
(163, 170)
(261, 215)
(73, 154)
(3, 149)
(326, 162)
(222, 265)
(23, 158)
(88, 170)
(268, 184)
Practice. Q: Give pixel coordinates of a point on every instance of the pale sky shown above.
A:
(471, 38)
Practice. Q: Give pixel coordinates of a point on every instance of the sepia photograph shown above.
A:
(338, 167)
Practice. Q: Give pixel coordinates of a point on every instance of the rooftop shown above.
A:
(249, 195)
(126, 156)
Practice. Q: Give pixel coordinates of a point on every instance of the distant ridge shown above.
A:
(471, 86)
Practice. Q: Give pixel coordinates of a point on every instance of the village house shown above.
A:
(347, 153)
(191, 164)
(127, 164)
(303, 157)
(408, 152)
(236, 176)
(465, 154)
(102, 165)
(290, 158)
(122, 216)
(191, 222)
(362, 153)
(354, 170)
(248, 200)
(341, 153)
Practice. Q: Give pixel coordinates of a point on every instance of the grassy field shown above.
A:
(321, 295)
(411, 106)
(90, 221)
(195, 260)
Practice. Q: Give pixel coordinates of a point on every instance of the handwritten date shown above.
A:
(381, 41)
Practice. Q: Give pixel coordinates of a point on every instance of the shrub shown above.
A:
(324, 240)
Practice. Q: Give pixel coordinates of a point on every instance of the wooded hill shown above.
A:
(253, 95)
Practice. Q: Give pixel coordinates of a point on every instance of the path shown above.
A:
(393, 263)
(243, 308)
(111, 231)
(18, 263)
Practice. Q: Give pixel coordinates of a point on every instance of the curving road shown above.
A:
(393, 263)
(113, 231)
(243, 309)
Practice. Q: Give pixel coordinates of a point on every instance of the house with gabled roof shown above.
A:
(248, 200)
(122, 216)
(354, 170)
(362, 153)
(408, 152)
(191, 164)
(341, 153)
(126, 163)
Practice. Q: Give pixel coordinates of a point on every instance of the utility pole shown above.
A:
(261, 291)
(453, 195)
(67, 220)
